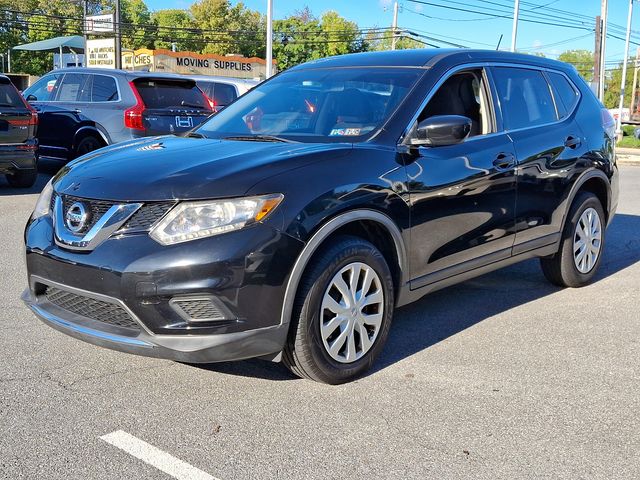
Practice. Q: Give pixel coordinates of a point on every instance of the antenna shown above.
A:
(499, 41)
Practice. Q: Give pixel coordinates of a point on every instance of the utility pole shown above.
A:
(623, 83)
(394, 26)
(9, 61)
(269, 53)
(596, 56)
(635, 81)
(118, 51)
(604, 6)
(514, 30)
(84, 31)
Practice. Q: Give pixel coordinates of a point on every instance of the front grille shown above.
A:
(99, 310)
(96, 208)
(147, 215)
(141, 220)
(201, 309)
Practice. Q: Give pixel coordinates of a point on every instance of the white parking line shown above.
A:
(155, 457)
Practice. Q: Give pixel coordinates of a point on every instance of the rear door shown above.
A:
(171, 106)
(39, 95)
(66, 112)
(548, 144)
(17, 122)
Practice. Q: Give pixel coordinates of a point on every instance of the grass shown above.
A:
(629, 142)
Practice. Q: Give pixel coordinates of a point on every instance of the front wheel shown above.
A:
(342, 314)
(581, 246)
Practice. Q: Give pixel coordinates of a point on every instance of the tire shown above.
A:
(307, 352)
(566, 269)
(88, 144)
(23, 178)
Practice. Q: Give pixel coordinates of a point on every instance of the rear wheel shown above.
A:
(23, 178)
(88, 144)
(581, 246)
(342, 314)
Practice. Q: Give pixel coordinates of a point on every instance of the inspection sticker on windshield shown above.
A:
(344, 132)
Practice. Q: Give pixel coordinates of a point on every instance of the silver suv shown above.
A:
(82, 109)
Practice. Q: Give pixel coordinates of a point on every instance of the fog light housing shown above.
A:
(201, 309)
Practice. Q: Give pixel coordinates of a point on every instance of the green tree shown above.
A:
(303, 37)
(187, 36)
(137, 28)
(582, 60)
(612, 86)
(229, 28)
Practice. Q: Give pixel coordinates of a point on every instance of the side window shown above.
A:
(525, 97)
(224, 94)
(463, 94)
(44, 89)
(71, 88)
(104, 89)
(565, 94)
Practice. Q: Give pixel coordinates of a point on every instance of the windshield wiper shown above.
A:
(196, 135)
(259, 138)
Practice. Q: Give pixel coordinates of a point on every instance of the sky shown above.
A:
(471, 29)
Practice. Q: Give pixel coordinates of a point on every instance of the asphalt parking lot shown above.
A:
(504, 376)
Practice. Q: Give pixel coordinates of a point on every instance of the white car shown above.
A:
(223, 90)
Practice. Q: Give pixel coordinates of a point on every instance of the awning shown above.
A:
(73, 44)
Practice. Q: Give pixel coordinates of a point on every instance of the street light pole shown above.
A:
(514, 30)
(624, 68)
(118, 49)
(269, 53)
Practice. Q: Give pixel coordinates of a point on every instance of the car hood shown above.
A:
(164, 168)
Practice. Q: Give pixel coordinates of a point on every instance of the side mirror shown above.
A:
(441, 130)
(31, 98)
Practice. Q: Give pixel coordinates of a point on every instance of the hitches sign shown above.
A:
(102, 53)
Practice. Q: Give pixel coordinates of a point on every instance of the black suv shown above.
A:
(18, 144)
(291, 224)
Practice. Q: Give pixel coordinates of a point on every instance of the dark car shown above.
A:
(18, 144)
(291, 224)
(83, 109)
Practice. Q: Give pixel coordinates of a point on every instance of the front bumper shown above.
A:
(181, 348)
(245, 272)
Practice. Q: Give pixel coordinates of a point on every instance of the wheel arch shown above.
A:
(93, 130)
(354, 222)
(596, 182)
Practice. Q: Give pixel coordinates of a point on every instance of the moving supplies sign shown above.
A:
(102, 53)
(191, 63)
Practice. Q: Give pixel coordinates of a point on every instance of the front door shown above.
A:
(462, 196)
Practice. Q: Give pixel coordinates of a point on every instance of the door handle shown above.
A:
(77, 110)
(504, 161)
(572, 142)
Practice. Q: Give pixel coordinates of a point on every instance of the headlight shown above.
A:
(191, 220)
(43, 205)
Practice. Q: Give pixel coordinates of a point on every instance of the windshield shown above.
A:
(316, 105)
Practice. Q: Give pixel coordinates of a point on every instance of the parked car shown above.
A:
(223, 90)
(292, 223)
(82, 109)
(18, 144)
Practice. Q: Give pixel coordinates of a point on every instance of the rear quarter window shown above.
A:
(224, 94)
(565, 93)
(157, 93)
